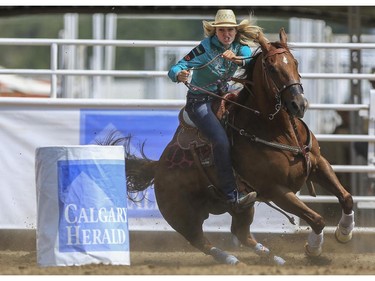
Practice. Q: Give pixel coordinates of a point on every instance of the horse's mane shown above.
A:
(278, 45)
(250, 67)
(249, 70)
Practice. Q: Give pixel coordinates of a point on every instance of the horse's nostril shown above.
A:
(297, 109)
(295, 106)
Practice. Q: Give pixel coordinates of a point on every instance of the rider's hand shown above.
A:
(229, 55)
(183, 75)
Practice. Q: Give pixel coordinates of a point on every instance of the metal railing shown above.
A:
(54, 71)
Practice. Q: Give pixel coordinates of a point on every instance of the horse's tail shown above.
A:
(140, 171)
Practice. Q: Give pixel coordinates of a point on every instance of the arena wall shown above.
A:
(27, 124)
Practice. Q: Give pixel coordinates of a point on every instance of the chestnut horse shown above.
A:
(274, 153)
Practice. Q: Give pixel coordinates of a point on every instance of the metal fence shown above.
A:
(54, 45)
(54, 71)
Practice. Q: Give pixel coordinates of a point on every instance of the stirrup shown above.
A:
(245, 201)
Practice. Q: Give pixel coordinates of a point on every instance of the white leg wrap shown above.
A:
(260, 250)
(345, 228)
(223, 257)
(315, 240)
(314, 244)
(346, 223)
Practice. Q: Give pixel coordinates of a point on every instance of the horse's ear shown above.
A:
(263, 41)
(283, 36)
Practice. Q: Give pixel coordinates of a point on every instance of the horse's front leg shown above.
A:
(240, 228)
(326, 177)
(313, 247)
(344, 230)
(289, 202)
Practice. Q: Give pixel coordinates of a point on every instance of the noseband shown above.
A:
(278, 90)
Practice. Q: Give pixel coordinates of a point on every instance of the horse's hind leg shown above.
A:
(240, 228)
(326, 177)
(187, 219)
(190, 227)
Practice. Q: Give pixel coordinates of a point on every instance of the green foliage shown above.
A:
(49, 26)
(151, 29)
(35, 26)
(128, 28)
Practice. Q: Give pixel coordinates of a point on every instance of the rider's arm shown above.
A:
(176, 69)
(192, 59)
(245, 51)
(241, 58)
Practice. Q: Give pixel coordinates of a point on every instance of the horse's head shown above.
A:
(281, 74)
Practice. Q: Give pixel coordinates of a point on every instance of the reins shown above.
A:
(195, 88)
(296, 150)
(242, 81)
(300, 149)
(207, 64)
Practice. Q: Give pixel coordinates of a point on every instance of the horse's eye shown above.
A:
(272, 69)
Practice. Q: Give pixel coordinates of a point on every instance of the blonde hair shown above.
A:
(246, 33)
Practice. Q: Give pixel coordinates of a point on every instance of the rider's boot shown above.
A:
(241, 201)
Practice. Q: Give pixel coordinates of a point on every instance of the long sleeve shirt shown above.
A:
(212, 71)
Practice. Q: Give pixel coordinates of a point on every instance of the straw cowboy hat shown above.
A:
(225, 18)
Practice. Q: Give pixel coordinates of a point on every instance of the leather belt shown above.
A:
(198, 98)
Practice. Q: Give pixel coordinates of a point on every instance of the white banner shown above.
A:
(22, 130)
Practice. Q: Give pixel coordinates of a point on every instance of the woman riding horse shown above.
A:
(273, 152)
(217, 57)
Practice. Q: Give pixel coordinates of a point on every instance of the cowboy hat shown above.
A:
(225, 18)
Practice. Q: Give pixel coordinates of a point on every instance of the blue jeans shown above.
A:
(204, 118)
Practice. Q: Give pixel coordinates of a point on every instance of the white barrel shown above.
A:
(81, 205)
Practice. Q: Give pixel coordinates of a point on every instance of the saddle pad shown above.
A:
(183, 158)
(186, 137)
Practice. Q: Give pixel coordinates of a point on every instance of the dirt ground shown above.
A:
(187, 263)
(169, 254)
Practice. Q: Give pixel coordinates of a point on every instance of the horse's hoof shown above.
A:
(261, 251)
(312, 251)
(341, 236)
(279, 260)
(223, 257)
(232, 260)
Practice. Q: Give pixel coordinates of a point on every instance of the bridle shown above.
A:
(278, 90)
(300, 149)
